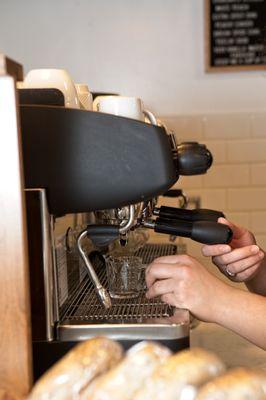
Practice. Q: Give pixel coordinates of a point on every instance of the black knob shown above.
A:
(193, 158)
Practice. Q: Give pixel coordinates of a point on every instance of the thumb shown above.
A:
(238, 231)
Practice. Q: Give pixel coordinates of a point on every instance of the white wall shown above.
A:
(147, 48)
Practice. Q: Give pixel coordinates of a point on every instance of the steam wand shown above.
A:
(102, 234)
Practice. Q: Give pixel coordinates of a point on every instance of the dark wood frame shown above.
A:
(207, 49)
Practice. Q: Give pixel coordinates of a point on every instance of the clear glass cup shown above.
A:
(125, 275)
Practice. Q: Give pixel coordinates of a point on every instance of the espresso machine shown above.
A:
(105, 173)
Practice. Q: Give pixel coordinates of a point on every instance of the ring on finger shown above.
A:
(229, 273)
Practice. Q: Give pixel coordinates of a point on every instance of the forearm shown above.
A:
(243, 313)
(258, 283)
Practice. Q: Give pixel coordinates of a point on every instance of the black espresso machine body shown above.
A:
(76, 162)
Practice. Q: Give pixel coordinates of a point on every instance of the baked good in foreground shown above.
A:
(180, 375)
(122, 381)
(7, 394)
(236, 384)
(77, 369)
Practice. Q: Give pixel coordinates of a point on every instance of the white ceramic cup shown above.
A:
(84, 95)
(130, 107)
(56, 79)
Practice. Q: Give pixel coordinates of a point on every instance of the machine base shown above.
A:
(45, 354)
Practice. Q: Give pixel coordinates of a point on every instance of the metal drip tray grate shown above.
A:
(85, 305)
(134, 319)
(151, 251)
(123, 310)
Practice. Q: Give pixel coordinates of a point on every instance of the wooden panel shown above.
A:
(234, 35)
(10, 67)
(15, 331)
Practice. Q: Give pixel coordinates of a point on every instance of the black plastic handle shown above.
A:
(173, 193)
(207, 232)
(200, 214)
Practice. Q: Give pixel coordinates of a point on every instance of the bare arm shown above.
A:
(183, 282)
(244, 313)
(258, 283)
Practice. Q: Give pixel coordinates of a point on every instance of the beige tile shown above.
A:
(168, 201)
(227, 176)
(246, 150)
(226, 126)
(157, 237)
(186, 128)
(258, 174)
(218, 150)
(249, 199)
(193, 248)
(242, 219)
(213, 199)
(258, 125)
(190, 182)
(261, 241)
(258, 222)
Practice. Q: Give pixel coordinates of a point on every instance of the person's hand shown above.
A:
(181, 281)
(241, 260)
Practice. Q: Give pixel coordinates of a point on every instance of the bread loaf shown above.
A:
(180, 375)
(77, 369)
(7, 394)
(236, 384)
(129, 375)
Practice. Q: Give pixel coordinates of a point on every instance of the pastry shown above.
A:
(123, 381)
(236, 384)
(77, 369)
(180, 375)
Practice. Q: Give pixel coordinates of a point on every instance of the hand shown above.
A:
(240, 261)
(183, 282)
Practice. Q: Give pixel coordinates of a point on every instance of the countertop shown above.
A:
(231, 348)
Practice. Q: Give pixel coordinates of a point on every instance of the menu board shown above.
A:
(235, 35)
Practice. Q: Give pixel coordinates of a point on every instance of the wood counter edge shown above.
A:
(15, 329)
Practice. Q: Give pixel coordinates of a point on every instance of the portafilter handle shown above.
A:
(206, 232)
(198, 214)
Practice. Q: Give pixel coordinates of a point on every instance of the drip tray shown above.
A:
(136, 318)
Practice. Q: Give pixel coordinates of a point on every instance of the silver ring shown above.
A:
(229, 273)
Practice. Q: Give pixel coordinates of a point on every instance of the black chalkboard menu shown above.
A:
(235, 34)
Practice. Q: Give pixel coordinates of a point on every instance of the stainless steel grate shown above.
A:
(153, 250)
(85, 306)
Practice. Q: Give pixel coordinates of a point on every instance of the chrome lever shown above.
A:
(102, 292)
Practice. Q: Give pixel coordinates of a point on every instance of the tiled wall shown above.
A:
(236, 182)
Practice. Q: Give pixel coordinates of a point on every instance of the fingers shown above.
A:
(169, 298)
(246, 275)
(178, 258)
(242, 254)
(160, 288)
(157, 271)
(241, 265)
(166, 267)
(215, 250)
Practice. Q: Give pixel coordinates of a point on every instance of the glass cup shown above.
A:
(125, 276)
